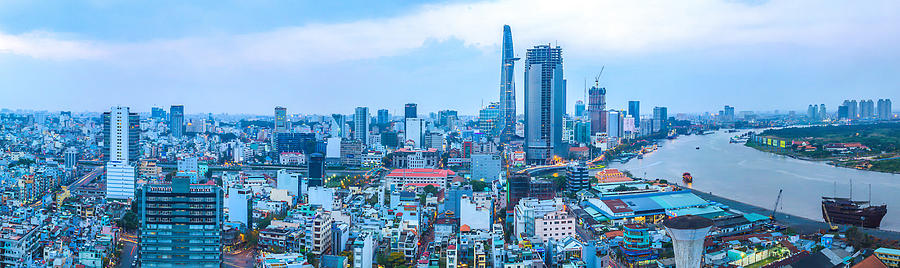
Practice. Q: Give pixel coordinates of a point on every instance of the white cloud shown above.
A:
(47, 45)
(584, 28)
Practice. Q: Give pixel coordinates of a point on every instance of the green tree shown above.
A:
(129, 221)
(397, 260)
(430, 189)
(478, 186)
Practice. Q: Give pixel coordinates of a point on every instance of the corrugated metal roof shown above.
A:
(679, 200)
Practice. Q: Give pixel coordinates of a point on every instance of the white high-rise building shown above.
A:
(120, 174)
(361, 124)
(415, 132)
(614, 124)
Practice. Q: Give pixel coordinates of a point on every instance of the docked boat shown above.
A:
(686, 177)
(839, 210)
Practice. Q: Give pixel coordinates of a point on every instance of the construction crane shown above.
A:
(828, 219)
(597, 79)
(777, 201)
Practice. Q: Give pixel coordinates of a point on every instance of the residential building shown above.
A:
(19, 241)
(321, 233)
(884, 109)
(122, 139)
(543, 219)
(363, 251)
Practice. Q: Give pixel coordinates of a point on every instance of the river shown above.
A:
(744, 174)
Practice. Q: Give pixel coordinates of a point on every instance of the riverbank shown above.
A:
(797, 223)
(870, 147)
(890, 166)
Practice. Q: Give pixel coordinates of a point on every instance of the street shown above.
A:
(129, 252)
(240, 258)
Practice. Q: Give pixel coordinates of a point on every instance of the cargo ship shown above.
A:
(686, 178)
(841, 210)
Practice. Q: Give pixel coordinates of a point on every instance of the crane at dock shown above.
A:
(828, 219)
(777, 201)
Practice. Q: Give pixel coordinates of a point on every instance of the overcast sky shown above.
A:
(331, 56)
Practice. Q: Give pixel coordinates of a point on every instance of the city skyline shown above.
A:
(731, 49)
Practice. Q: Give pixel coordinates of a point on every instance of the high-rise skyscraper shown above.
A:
(660, 118)
(843, 112)
(383, 116)
(361, 124)
(71, 158)
(634, 110)
(415, 132)
(489, 119)
(181, 224)
(316, 169)
(615, 127)
(446, 116)
(157, 113)
(884, 109)
(121, 136)
(507, 88)
(852, 109)
(728, 115)
(281, 119)
(597, 108)
(176, 120)
(131, 146)
(812, 111)
(579, 108)
(866, 109)
(341, 122)
(822, 113)
(409, 111)
(545, 94)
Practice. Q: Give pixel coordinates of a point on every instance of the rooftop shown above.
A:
(888, 251)
(688, 222)
(422, 173)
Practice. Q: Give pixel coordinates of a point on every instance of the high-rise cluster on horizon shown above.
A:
(865, 110)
